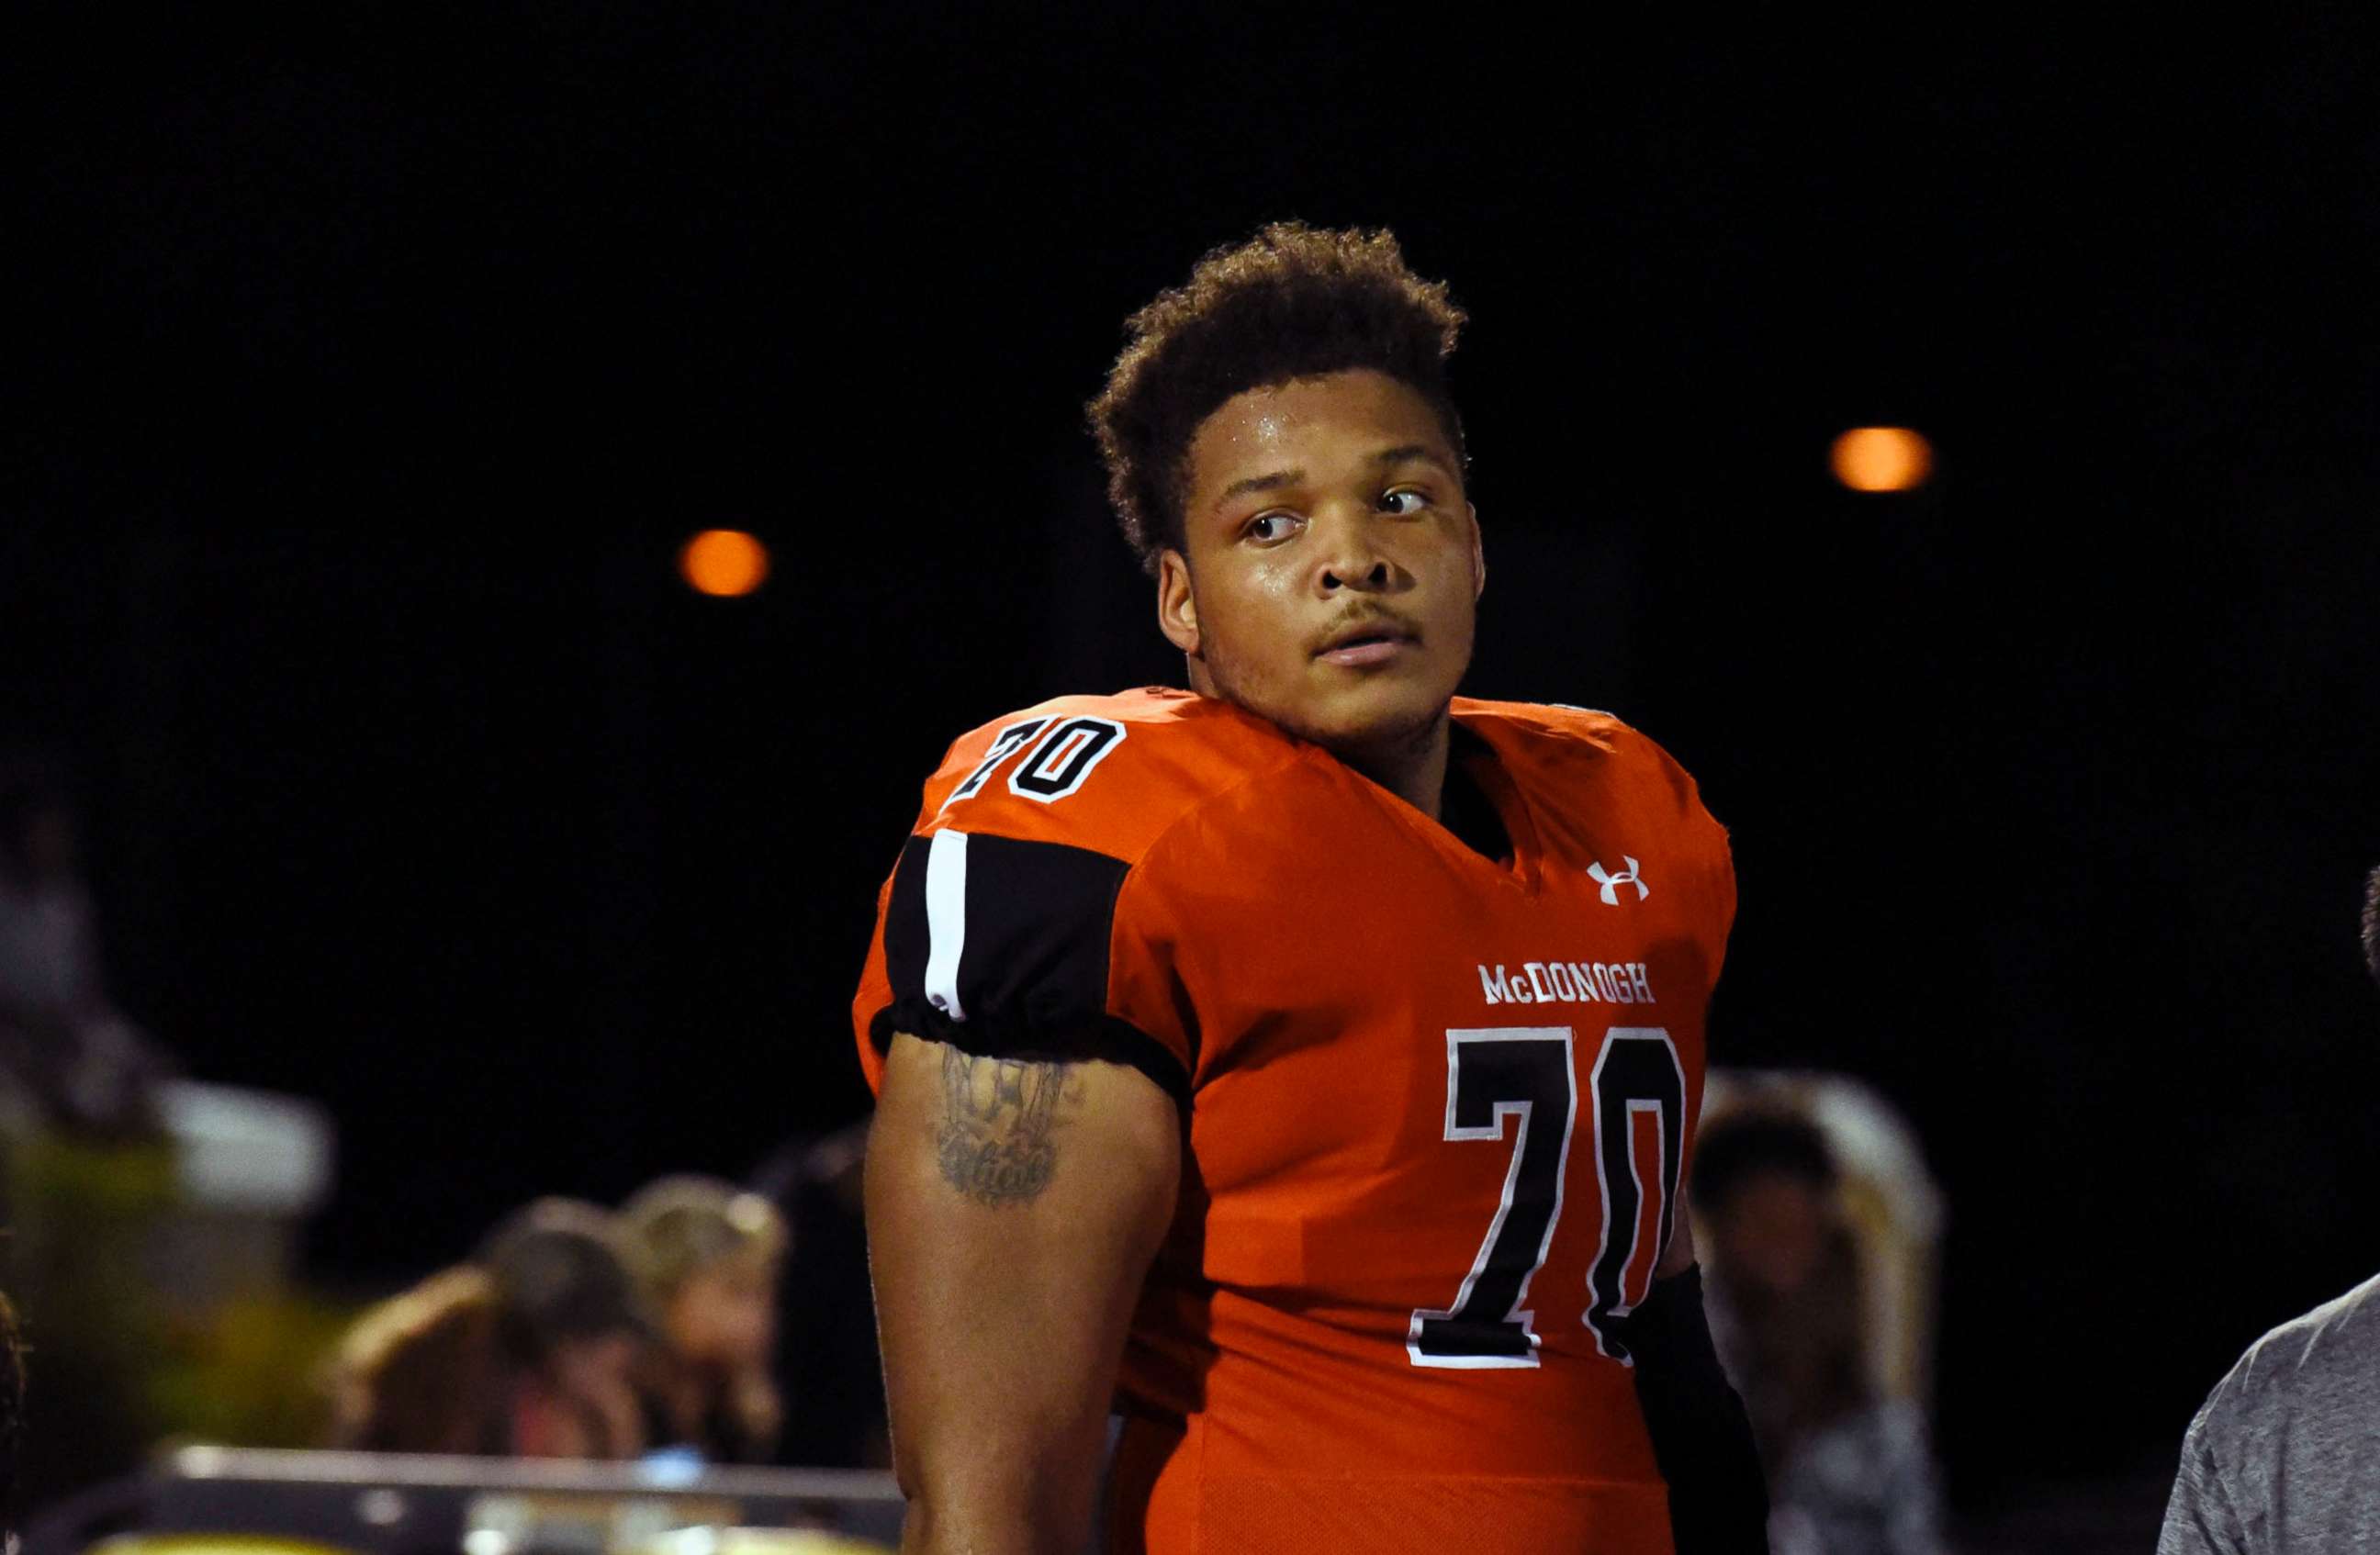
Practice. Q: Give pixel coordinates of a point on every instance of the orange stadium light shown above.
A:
(725, 563)
(1882, 458)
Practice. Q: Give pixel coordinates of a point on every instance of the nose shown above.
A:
(1351, 559)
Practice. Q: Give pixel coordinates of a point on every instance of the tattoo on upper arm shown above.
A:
(996, 1142)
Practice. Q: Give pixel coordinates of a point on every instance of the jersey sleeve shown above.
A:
(1668, 795)
(1705, 848)
(1006, 928)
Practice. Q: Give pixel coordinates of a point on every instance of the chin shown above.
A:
(1339, 715)
(1368, 718)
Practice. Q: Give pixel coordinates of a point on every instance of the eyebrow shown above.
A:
(1402, 453)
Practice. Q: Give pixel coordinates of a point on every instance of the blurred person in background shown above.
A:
(828, 1366)
(707, 1257)
(1850, 1472)
(530, 1350)
(68, 1058)
(2284, 1454)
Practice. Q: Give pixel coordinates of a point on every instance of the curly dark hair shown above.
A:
(1293, 302)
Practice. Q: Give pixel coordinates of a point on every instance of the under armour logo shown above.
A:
(1612, 883)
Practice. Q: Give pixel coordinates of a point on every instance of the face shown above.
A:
(1772, 1233)
(1331, 565)
(725, 1316)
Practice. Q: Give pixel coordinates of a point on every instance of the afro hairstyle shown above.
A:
(1293, 302)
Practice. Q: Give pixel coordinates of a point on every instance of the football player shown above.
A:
(1303, 1065)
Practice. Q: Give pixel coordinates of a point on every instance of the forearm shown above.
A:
(981, 1524)
(1702, 1438)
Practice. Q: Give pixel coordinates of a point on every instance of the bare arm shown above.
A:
(1012, 1210)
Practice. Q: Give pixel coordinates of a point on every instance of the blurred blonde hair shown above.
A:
(676, 1228)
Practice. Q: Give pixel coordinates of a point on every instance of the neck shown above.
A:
(1412, 766)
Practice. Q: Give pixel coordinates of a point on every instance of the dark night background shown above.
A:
(371, 365)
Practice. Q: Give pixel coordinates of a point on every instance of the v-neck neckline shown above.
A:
(1484, 764)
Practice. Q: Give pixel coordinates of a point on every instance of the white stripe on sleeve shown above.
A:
(945, 920)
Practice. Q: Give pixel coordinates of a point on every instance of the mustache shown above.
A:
(1367, 619)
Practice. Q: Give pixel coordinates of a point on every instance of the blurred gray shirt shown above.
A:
(1863, 1484)
(2285, 1453)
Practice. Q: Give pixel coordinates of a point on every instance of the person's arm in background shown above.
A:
(1701, 1438)
(2199, 1516)
(1014, 1207)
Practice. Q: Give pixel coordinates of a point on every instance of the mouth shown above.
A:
(1368, 642)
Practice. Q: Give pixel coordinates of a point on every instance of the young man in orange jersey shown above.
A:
(1302, 1066)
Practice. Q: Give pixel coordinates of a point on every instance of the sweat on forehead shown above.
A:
(1357, 422)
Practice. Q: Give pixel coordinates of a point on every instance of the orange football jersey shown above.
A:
(1438, 1105)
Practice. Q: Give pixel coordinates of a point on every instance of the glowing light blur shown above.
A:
(1882, 458)
(725, 563)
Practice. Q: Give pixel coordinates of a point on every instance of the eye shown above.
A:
(1267, 527)
(1413, 498)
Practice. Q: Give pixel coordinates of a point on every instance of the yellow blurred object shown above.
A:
(83, 1234)
(210, 1544)
(760, 1541)
(1882, 458)
(725, 563)
(248, 1371)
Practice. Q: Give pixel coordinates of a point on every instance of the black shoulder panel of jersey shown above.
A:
(1033, 923)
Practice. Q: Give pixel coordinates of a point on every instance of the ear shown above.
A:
(1478, 557)
(1177, 606)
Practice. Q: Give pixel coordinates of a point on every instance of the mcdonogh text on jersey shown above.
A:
(1575, 982)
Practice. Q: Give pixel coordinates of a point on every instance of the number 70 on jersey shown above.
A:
(1524, 1074)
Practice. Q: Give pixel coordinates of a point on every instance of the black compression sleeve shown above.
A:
(1702, 1438)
